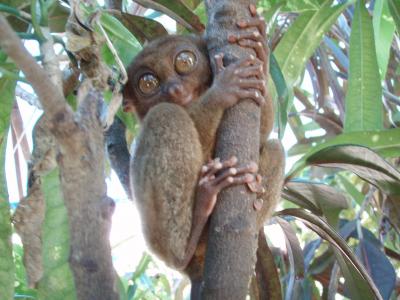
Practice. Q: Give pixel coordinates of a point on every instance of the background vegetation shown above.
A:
(335, 68)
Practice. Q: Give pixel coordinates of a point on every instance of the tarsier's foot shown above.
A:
(217, 175)
(254, 38)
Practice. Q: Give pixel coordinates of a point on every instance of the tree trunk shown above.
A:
(231, 252)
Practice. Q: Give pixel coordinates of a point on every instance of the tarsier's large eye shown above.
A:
(185, 61)
(148, 83)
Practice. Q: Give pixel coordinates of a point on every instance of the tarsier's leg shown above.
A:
(174, 191)
(164, 174)
(271, 168)
(215, 176)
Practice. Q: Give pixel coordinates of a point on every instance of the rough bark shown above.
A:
(232, 244)
(81, 162)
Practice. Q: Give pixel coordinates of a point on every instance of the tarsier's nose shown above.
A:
(175, 91)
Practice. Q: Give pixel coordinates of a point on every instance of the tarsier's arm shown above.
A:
(231, 83)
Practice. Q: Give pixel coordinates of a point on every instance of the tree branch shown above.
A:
(232, 243)
(50, 96)
(81, 161)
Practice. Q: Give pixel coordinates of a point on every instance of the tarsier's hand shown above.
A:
(217, 175)
(240, 80)
(252, 34)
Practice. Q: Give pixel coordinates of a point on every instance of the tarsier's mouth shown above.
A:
(185, 100)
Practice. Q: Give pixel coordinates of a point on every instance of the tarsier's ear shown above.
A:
(128, 94)
(127, 106)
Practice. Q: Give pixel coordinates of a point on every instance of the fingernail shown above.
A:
(249, 178)
(233, 171)
(258, 204)
(253, 166)
(241, 23)
(253, 9)
(232, 39)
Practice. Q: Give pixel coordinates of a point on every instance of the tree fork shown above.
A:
(232, 243)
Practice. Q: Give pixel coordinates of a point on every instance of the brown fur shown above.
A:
(175, 141)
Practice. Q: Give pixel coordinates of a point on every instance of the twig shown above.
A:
(391, 97)
(50, 95)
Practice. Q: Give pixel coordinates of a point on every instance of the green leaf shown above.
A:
(177, 10)
(296, 260)
(58, 16)
(385, 143)
(122, 39)
(351, 189)
(303, 37)
(378, 266)
(282, 91)
(384, 31)
(360, 284)
(293, 6)
(321, 199)
(361, 161)
(270, 14)
(7, 268)
(364, 94)
(193, 4)
(141, 267)
(394, 7)
(268, 269)
(7, 88)
(57, 281)
(142, 28)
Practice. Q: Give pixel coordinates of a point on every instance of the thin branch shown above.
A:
(27, 96)
(50, 96)
(391, 97)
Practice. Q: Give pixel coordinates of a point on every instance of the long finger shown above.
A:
(260, 50)
(257, 22)
(217, 166)
(219, 62)
(253, 95)
(233, 181)
(253, 83)
(251, 167)
(251, 71)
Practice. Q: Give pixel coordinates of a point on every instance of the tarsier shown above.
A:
(180, 105)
